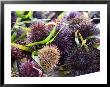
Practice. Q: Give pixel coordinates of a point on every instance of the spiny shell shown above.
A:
(29, 69)
(49, 56)
(38, 31)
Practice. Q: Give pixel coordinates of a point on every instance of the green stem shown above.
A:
(21, 37)
(83, 42)
(55, 36)
(21, 47)
(62, 15)
(13, 37)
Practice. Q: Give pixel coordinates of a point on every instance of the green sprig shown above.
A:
(13, 36)
(55, 36)
(22, 47)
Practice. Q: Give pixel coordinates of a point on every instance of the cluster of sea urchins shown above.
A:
(82, 60)
(64, 50)
(27, 67)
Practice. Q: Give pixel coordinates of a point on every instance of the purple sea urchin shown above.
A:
(38, 14)
(80, 59)
(29, 69)
(17, 53)
(83, 62)
(86, 29)
(64, 40)
(70, 15)
(49, 57)
(38, 31)
(79, 22)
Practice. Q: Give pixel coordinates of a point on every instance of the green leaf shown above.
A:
(13, 36)
(46, 40)
(21, 37)
(62, 15)
(14, 30)
(21, 47)
(25, 28)
(50, 41)
(91, 37)
(36, 58)
(34, 53)
(14, 67)
(20, 14)
(24, 34)
(23, 22)
(96, 45)
(29, 15)
(18, 20)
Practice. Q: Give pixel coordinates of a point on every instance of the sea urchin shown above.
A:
(49, 57)
(38, 31)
